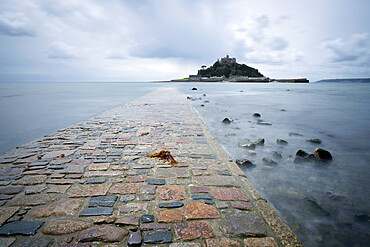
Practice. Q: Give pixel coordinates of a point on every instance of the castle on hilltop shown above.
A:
(227, 59)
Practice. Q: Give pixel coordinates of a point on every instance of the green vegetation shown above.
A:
(229, 69)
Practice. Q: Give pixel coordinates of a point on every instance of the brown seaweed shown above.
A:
(165, 156)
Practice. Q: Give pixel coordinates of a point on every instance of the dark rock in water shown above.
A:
(194, 88)
(314, 141)
(282, 110)
(206, 101)
(260, 142)
(202, 105)
(251, 146)
(244, 142)
(363, 217)
(226, 121)
(256, 114)
(277, 155)
(204, 94)
(338, 197)
(314, 207)
(264, 123)
(302, 156)
(245, 163)
(281, 142)
(322, 154)
(269, 162)
(294, 134)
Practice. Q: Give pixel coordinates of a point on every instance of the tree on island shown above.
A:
(229, 69)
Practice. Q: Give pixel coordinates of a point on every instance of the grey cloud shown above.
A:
(278, 43)
(60, 50)
(15, 24)
(116, 54)
(354, 50)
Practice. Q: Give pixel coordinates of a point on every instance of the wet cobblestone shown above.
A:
(100, 167)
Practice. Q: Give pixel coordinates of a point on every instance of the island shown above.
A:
(227, 69)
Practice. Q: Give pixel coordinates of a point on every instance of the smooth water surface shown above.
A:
(32, 110)
(336, 113)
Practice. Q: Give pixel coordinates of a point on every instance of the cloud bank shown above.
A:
(118, 40)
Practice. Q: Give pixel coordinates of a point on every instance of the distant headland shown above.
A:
(228, 70)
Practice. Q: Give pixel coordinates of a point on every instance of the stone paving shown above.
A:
(92, 184)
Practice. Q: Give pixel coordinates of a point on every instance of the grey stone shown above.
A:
(269, 162)
(33, 242)
(148, 189)
(57, 167)
(136, 172)
(223, 172)
(21, 227)
(201, 197)
(158, 237)
(145, 197)
(147, 218)
(171, 205)
(156, 181)
(6, 242)
(127, 198)
(245, 163)
(143, 166)
(103, 161)
(96, 181)
(134, 239)
(96, 211)
(209, 202)
(103, 201)
(240, 224)
(281, 142)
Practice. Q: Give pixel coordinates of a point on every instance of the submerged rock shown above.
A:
(338, 197)
(322, 154)
(264, 123)
(314, 141)
(204, 95)
(244, 163)
(260, 142)
(277, 155)
(256, 114)
(363, 217)
(269, 162)
(314, 207)
(302, 156)
(294, 134)
(226, 121)
(281, 142)
(247, 144)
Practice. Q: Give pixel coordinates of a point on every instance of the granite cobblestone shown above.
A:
(99, 169)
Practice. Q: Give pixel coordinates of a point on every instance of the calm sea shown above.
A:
(336, 113)
(325, 204)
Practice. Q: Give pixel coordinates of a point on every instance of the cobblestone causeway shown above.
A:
(92, 184)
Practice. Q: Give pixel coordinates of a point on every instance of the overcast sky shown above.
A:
(138, 40)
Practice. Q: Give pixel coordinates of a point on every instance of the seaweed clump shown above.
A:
(165, 156)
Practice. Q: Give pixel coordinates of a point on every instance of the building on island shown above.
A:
(227, 59)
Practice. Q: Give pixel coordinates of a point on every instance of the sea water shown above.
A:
(32, 110)
(326, 204)
(336, 113)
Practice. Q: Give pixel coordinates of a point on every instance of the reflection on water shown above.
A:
(325, 204)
